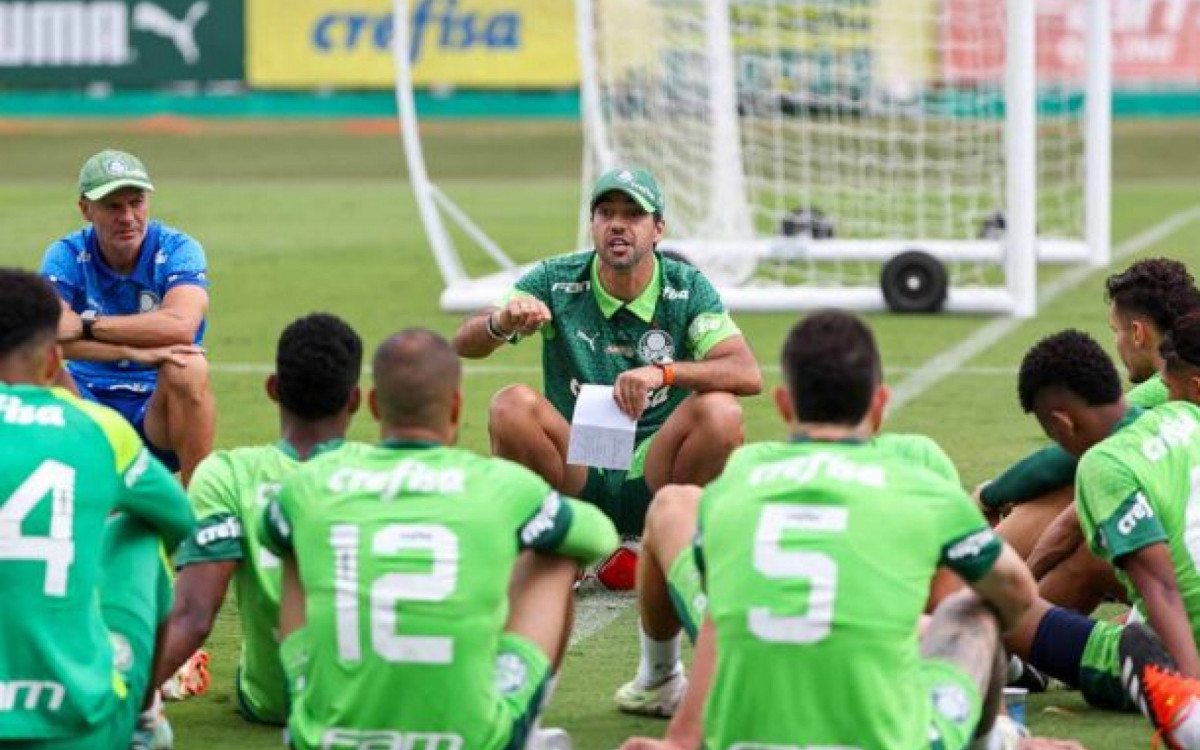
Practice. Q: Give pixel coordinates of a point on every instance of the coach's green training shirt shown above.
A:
(593, 337)
(229, 491)
(818, 558)
(1139, 487)
(65, 466)
(405, 553)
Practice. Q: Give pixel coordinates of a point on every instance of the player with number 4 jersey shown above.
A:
(394, 623)
(84, 589)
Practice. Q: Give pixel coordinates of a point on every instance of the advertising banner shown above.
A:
(125, 42)
(1154, 41)
(455, 43)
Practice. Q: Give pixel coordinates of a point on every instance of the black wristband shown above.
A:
(496, 333)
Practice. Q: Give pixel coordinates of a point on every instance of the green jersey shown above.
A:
(405, 552)
(229, 492)
(922, 451)
(1141, 486)
(818, 559)
(593, 337)
(1050, 468)
(65, 466)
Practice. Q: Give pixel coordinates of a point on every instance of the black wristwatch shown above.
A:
(88, 319)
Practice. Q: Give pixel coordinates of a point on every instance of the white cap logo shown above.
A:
(115, 167)
(625, 176)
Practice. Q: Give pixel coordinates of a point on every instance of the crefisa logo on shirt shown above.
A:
(148, 301)
(656, 347)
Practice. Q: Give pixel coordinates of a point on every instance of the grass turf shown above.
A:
(317, 216)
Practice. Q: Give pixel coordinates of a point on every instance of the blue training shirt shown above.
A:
(168, 258)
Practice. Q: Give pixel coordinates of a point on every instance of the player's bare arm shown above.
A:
(1057, 543)
(199, 591)
(1008, 588)
(292, 616)
(729, 367)
(1153, 574)
(489, 329)
(175, 323)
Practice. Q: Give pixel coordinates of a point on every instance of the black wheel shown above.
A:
(806, 221)
(914, 282)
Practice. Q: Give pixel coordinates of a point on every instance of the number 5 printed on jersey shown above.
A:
(775, 562)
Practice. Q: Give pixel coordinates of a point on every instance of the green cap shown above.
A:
(112, 170)
(638, 184)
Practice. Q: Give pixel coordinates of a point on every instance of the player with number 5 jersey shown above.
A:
(817, 556)
(394, 623)
(84, 589)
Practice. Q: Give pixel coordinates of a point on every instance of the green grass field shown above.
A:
(302, 216)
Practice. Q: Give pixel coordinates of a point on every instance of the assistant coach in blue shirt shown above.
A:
(135, 295)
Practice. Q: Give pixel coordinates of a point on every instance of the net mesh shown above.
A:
(864, 119)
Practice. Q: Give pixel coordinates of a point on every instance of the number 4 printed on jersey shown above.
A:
(58, 549)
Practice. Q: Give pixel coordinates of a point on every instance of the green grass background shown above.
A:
(303, 216)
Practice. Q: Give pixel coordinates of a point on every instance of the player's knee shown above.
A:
(512, 407)
(674, 507)
(719, 415)
(187, 380)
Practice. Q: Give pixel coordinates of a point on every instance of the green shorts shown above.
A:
(624, 496)
(522, 672)
(956, 703)
(135, 595)
(687, 592)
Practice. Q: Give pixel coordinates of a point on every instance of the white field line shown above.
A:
(951, 360)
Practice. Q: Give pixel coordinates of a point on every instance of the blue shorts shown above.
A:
(132, 400)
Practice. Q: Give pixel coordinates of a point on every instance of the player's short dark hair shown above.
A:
(1160, 289)
(317, 365)
(29, 310)
(1180, 348)
(1072, 361)
(831, 365)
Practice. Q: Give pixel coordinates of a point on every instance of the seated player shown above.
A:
(317, 366)
(1134, 486)
(1144, 301)
(671, 599)
(134, 295)
(400, 562)
(818, 555)
(625, 315)
(85, 512)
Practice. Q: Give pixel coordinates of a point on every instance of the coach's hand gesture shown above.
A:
(522, 315)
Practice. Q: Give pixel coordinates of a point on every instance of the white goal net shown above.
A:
(802, 143)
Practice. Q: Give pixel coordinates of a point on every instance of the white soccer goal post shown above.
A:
(803, 144)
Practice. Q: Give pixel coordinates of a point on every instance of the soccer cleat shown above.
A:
(1174, 707)
(1138, 650)
(191, 679)
(661, 699)
(152, 730)
(1022, 674)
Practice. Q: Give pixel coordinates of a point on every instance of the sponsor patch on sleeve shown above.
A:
(546, 529)
(1131, 527)
(972, 555)
(216, 538)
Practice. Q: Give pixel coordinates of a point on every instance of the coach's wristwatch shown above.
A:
(88, 319)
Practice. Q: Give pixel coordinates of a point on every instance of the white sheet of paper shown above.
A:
(601, 434)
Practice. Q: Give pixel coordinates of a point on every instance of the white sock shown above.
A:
(659, 659)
